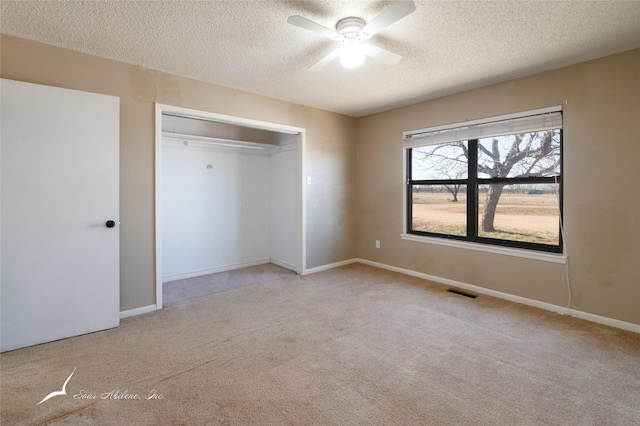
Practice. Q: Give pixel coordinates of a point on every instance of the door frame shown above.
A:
(240, 121)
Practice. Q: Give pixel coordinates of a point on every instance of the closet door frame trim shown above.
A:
(161, 109)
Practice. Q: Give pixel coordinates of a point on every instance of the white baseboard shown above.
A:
(498, 294)
(137, 311)
(329, 266)
(285, 265)
(606, 321)
(215, 270)
(510, 297)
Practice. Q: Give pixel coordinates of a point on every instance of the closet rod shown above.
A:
(219, 141)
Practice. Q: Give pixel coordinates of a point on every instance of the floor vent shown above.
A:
(462, 293)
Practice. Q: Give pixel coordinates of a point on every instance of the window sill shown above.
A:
(508, 251)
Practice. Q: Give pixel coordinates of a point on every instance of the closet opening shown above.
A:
(229, 195)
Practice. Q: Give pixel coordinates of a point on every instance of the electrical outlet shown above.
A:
(377, 243)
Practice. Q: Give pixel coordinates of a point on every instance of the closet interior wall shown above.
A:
(228, 197)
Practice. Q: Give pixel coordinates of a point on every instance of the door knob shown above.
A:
(110, 224)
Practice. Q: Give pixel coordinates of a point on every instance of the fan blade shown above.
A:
(326, 60)
(381, 54)
(395, 12)
(301, 22)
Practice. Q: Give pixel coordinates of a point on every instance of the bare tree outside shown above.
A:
(514, 156)
(533, 154)
(442, 162)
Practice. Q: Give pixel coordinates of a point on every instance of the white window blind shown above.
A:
(532, 121)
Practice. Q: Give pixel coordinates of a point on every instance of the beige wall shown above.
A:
(601, 182)
(601, 203)
(330, 150)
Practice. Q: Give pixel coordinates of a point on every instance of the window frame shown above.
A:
(473, 182)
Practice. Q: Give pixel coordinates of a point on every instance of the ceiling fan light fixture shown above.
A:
(352, 55)
(351, 31)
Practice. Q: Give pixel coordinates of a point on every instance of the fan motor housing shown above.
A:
(350, 26)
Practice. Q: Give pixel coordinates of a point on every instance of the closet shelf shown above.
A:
(219, 141)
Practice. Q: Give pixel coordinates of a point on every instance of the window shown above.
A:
(495, 181)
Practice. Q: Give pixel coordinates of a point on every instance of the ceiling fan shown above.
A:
(352, 31)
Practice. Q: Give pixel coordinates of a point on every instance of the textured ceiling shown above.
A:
(446, 46)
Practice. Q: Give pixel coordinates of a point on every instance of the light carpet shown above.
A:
(351, 346)
(191, 288)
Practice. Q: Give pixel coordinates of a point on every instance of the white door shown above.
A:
(59, 261)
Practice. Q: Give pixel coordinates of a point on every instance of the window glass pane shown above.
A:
(521, 155)
(444, 161)
(440, 209)
(527, 212)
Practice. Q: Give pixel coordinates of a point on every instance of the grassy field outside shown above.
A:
(519, 216)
